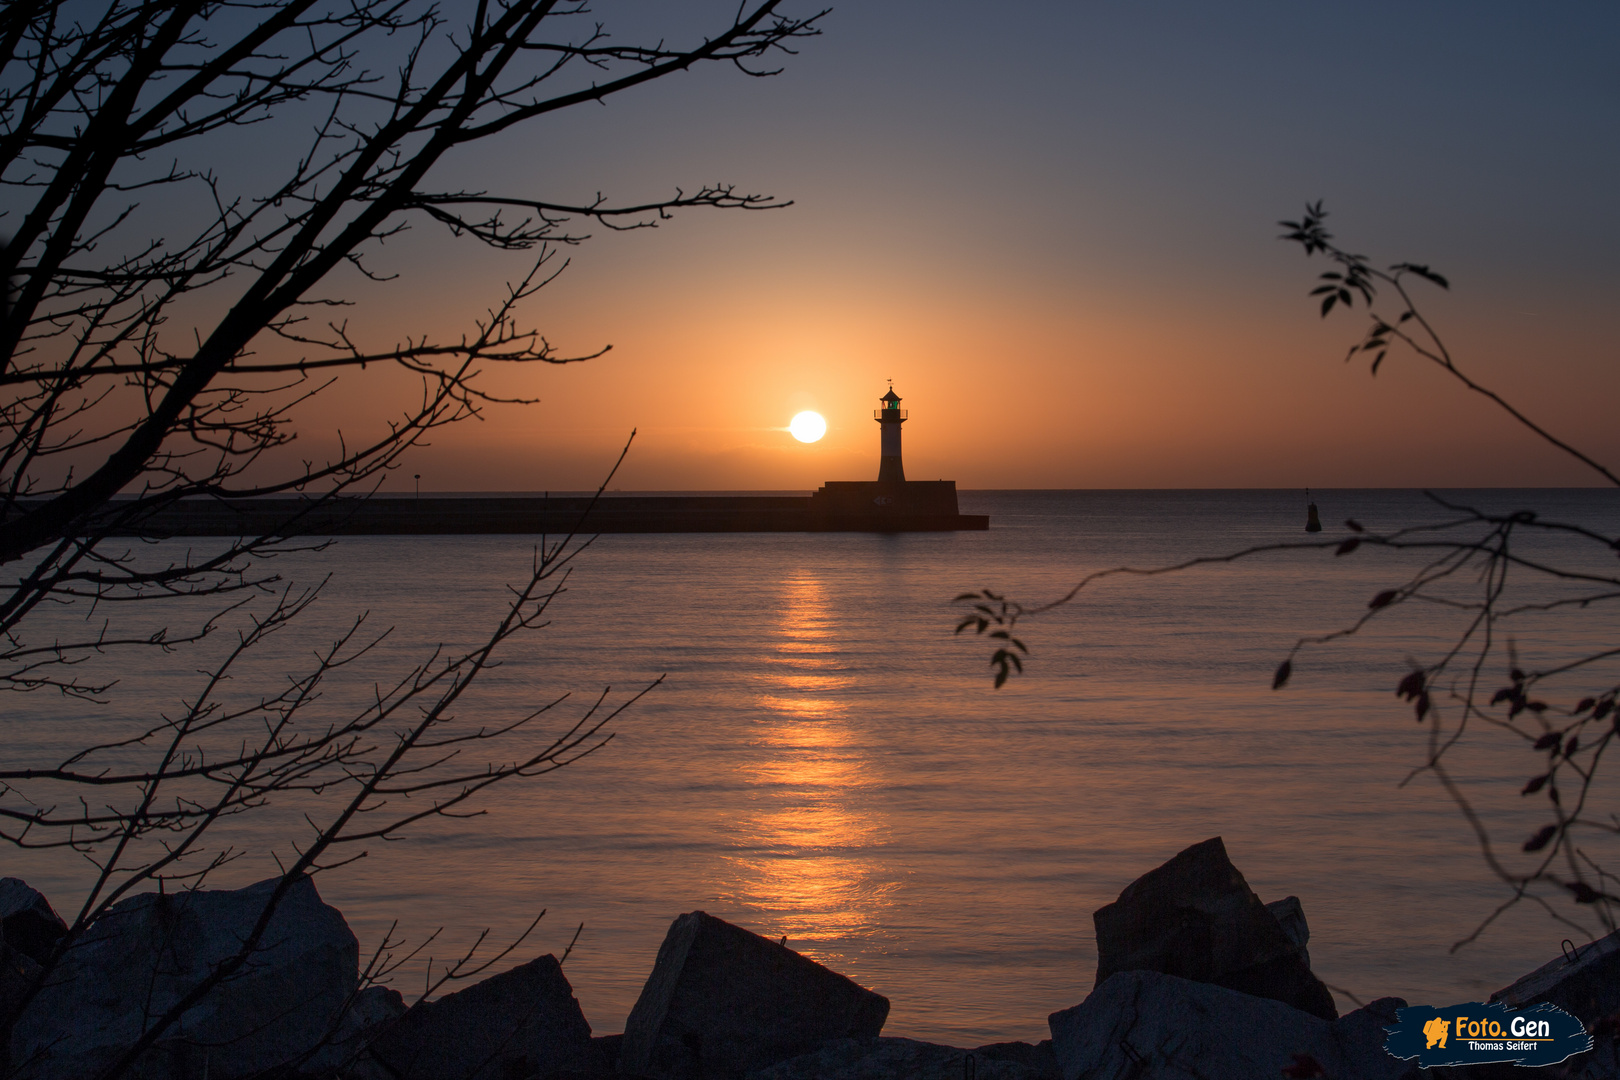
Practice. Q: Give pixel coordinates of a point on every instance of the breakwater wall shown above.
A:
(439, 515)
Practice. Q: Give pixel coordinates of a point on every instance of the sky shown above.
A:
(1054, 227)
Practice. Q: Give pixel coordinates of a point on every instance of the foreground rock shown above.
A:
(139, 961)
(908, 1059)
(28, 923)
(723, 1002)
(1588, 988)
(17, 977)
(1196, 918)
(1143, 1024)
(524, 1022)
(1290, 916)
(347, 1052)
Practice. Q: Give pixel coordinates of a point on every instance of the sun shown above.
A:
(808, 426)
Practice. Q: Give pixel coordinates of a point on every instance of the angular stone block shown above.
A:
(1587, 987)
(1196, 918)
(347, 1052)
(1290, 915)
(28, 923)
(149, 951)
(520, 1023)
(17, 975)
(723, 1002)
(1146, 1024)
(1357, 1039)
(1038, 1058)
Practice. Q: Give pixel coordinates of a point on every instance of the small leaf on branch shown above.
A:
(1383, 599)
(1348, 546)
(1507, 693)
(1353, 525)
(1552, 738)
(1574, 744)
(1584, 893)
(1542, 838)
(1422, 706)
(1379, 359)
(1585, 703)
(1411, 686)
(1603, 709)
(1005, 660)
(1536, 784)
(1423, 272)
(1284, 669)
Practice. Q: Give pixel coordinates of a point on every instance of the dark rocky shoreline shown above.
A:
(1197, 980)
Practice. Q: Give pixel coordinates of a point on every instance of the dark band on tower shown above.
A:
(889, 418)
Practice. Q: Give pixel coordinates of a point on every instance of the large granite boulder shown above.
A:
(149, 951)
(520, 1023)
(28, 923)
(347, 1052)
(1196, 918)
(18, 974)
(1149, 1026)
(723, 1002)
(1585, 984)
(908, 1059)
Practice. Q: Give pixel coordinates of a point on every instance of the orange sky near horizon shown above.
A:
(1008, 387)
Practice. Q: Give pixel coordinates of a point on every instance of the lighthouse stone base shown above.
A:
(890, 506)
(877, 498)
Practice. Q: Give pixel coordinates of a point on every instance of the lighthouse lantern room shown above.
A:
(889, 418)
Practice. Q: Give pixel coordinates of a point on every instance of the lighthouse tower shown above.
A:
(889, 418)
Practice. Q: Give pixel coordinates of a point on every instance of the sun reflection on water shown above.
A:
(808, 859)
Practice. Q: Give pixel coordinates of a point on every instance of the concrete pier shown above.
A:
(928, 506)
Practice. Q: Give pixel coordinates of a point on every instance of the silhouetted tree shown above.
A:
(152, 353)
(1475, 564)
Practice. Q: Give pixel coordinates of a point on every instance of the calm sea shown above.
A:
(825, 761)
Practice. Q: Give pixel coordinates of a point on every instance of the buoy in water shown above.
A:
(1312, 522)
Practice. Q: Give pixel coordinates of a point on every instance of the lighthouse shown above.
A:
(891, 503)
(889, 418)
